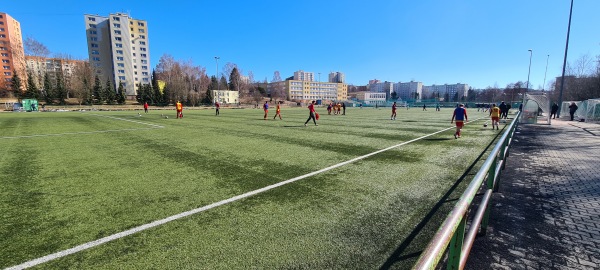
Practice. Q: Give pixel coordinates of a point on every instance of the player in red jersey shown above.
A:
(312, 112)
(179, 108)
(278, 111)
(217, 107)
(393, 117)
(266, 109)
(460, 114)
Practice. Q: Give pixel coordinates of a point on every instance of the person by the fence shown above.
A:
(503, 110)
(554, 110)
(572, 109)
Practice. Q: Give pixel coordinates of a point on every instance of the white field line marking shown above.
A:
(156, 223)
(153, 126)
(123, 119)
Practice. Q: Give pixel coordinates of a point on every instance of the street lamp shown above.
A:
(217, 74)
(546, 72)
(528, 73)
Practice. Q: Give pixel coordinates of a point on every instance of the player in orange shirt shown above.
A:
(495, 114)
(278, 111)
(179, 108)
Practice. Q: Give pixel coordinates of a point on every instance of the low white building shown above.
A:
(371, 98)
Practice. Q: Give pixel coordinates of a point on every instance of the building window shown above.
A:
(7, 73)
(92, 25)
(135, 73)
(135, 67)
(117, 32)
(120, 65)
(95, 52)
(140, 24)
(142, 36)
(94, 39)
(5, 54)
(119, 45)
(2, 35)
(1, 23)
(1, 29)
(116, 25)
(145, 79)
(94, 45)
(136, 79)
(116, 18)
(143, 55)
(96, 58)
(145, 73)
(143, 49)
(122, 78)
(133, 54)
(144, 61)
(131, 29)
(5, 61)
(6, 67)
(93, 32)
(120, 58)
(121, 71)
(145, 67)
(91, 19)
(118, 38)
(119, 51)
(133, 48)
(131, 35)
(141, 31)
(142, 42)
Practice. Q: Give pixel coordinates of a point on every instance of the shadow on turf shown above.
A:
(399, 254)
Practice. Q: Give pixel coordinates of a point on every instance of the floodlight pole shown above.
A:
(546, 72)
(217, 75)
(562, 79)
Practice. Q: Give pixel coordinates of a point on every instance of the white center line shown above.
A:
(156, 223)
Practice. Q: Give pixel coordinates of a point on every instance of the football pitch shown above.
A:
(359, 191)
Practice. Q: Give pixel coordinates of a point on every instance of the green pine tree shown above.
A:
(16, 85)
(156, 90)
(97, 91)
(121, 94)
(32, 90)
(48, 89)
(109, 92)
(223, 83)
(140, 94)
(61, 90)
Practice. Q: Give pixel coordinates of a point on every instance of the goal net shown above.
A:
(536, 108)
(588, 110)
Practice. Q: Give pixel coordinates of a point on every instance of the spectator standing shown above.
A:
(572, 109)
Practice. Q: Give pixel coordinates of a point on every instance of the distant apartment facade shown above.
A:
(11, 51)
(409, 90)
(309, 90)
(301, 75)
(38, 67)
(446, 92)
(337, 77)
(119, 49)
(381, 87)
(226, 96)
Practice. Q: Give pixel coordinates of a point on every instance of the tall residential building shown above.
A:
(37, 67)
(301, 75)
(11, 51)
(409, 90)
(382, 87)
(446, 92)
(337, 77)
(119, 49)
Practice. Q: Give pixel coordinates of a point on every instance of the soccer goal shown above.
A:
(536, 108)
(587, 110)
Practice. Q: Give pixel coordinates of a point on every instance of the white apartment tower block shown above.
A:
(301, 75)
(337, 77)
(119, 50)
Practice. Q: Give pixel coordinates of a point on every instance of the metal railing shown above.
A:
(451, 235)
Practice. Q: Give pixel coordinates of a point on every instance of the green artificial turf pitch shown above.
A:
(68, 178)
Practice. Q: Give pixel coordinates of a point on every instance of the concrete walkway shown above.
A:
(546, 214)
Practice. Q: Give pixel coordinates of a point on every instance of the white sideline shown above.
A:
(156, 223)
(153, 126)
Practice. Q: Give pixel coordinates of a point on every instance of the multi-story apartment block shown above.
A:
(382, 87)
(409, 90)
(37, 67)
(301, 75)
(446, 92)
(119, 49)
(337, 77)
(11, 51)
(226, 96)
(308, 90)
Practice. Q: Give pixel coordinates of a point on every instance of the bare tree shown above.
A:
(228, 68)
(277, 89)
(35, 48)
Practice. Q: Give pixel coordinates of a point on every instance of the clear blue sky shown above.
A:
(433, 41)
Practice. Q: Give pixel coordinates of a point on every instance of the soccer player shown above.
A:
(179, 108)
(217, 107)
(266, 108)
(278, 111)
(312, 113)
(393, 117)
(495, 114)
(460, 114)
(146, 107)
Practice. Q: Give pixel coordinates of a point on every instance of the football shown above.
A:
(485, 125)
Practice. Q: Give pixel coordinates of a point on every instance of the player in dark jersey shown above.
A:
(460, 114)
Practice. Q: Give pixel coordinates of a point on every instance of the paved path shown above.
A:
(546, 214)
